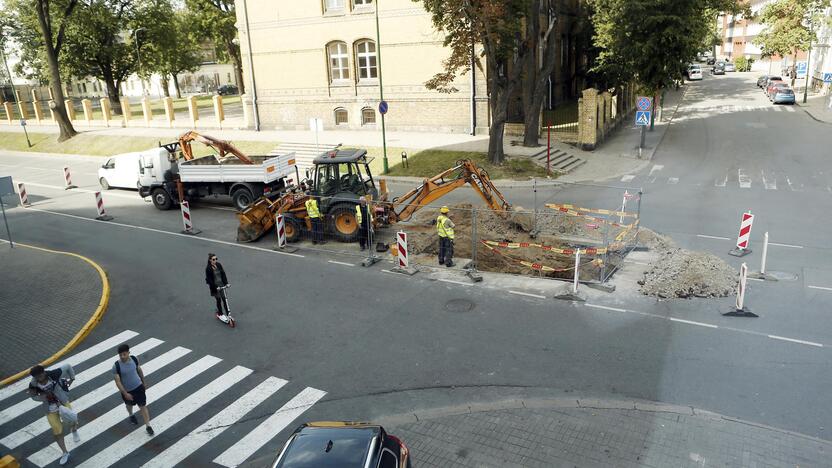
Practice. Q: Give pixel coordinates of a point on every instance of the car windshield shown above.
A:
(329, 448)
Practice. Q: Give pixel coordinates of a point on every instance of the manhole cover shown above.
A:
(782, 275)
(459, 305)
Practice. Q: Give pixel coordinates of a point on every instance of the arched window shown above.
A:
(342, 117)
(368, 116)
(365, 55)
(339, 61)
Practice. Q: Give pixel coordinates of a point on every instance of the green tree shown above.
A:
(176, 45)
(539, 30)
(787, 27)
(217, 22)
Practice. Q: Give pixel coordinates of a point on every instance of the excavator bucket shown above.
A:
(255, 221)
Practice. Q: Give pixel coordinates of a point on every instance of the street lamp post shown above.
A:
(381, 91)
(14, 91)
(809, 55)
(139, 56)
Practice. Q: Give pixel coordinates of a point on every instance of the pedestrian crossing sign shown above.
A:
(642, 118)
(827, 77)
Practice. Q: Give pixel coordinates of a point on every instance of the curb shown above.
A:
(812, 115)
(86, 329)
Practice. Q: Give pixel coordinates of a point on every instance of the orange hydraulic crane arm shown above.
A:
(466, 172)
(222, 147)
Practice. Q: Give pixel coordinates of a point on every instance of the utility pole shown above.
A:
(139, 56)
(809, 54)
(381, 92)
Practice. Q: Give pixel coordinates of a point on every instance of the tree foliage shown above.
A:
(175, 47)
(786, 26)
(217, 21)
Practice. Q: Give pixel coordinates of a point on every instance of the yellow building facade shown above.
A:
(319, 59)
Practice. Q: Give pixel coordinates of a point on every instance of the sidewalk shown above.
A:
(597, 433)
(49, 301)
(819, 107)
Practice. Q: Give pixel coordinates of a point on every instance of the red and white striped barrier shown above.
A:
(99, 204)
(68, 179)
(403, 260)
(744, 236)
(24, 198)
(280, 225)
(186, 219)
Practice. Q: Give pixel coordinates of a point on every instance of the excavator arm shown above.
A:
(465, 172)
(221, 146)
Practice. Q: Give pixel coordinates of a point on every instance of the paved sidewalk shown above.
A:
(46, 301)
(600, 433)
(819, 107)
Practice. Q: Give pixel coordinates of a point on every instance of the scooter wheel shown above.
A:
(231, 322)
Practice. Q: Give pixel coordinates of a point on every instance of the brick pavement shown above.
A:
(45, 300)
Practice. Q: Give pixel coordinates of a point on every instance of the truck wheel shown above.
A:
(161, 199)
(343, 225)
(292, 228)
(242, 198)
(104, 184)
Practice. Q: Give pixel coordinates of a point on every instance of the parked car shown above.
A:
(342, 445)
(729, 67)
(227, 90)
(762, 80)
(120, 171)
(694, 72)
(783, 96)
(711, 61)
(718, 68)
(775, 88)
(771, 80)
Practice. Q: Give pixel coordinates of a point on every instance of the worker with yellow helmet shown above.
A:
(445, 229)
(314, 214)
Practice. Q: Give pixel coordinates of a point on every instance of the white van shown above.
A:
(121, 171)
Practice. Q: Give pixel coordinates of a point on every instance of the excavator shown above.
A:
(339, 179)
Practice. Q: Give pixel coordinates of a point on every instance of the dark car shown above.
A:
(342, 445)
(718, 68)
(227, 90)
(762, 80)
(711, 60)
(771, 79)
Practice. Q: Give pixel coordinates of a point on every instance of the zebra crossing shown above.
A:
(730, 109)
(103, 440)
(737, 178)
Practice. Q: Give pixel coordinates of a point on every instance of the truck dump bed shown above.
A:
(266, 169)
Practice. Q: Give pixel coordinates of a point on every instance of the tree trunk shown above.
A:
(535, 80)
(498, 102)
(176, 85)
(165, 82)
(114, 93)
(234, 53)
(67, 131)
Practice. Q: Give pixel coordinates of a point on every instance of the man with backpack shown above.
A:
(130, 382)
(51, 387)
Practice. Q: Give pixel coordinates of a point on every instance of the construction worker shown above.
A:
(364, 218)
(445, 229)
(315, 218)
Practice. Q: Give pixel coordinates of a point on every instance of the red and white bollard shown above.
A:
(740, 310)
(744, 237)
(99, 204)
(68, 179)
(281, 241)
(24, 198)
(403, 260)
(186, 219)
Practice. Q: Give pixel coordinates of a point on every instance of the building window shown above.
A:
(365, 52)
(339, 58)
(342, 117)
(368, 116)
(334, 6)
(361, 3)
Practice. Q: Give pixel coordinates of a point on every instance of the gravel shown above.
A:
(680, 273)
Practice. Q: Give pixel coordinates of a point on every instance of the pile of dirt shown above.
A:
(654, 241)
(680, 273)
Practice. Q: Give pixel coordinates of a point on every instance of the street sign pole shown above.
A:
(381, 92)
(808, 61)
(14, 91)
(8, 232)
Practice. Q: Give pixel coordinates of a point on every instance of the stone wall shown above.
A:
(599, 113)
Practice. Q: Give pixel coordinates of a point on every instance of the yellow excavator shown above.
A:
(339, 179)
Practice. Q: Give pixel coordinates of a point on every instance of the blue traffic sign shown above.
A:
(642, 118)
(382, 107)
(802, 68)
(643, 103)
(827, 77)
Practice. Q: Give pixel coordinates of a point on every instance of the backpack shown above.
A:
(118, 366)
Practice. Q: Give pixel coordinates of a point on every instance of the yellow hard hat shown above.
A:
(444, 209)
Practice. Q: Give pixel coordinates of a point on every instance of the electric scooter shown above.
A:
(229, 320)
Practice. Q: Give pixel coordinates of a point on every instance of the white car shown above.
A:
(121, 171)
(694, 73)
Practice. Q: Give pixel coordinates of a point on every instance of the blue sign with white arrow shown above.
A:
(642, 118)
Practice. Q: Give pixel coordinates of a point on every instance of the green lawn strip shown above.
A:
(108, 145)
(428, 163)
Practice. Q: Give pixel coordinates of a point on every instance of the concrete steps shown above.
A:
(304, 152)
(561, 161)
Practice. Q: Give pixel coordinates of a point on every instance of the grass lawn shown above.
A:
(107, 145)
(428, 163)
(565, 113)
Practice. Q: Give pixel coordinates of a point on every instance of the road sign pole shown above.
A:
(6, 221)
(381, 92)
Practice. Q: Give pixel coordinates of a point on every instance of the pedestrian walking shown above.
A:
(216, 278)
(315, 218)
(445, 229)
(364, 218)
(130, 382)
(51, 387)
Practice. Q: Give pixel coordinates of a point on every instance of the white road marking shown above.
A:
(126, 445)
(656, 167)
(673, 180)
(268, 429)
(770, 184)
(614, 309)
(628, 178)
(721, 183)
(783, 338)
(791, 185)
(820, 287)
(104, 422)
(777, 108)
(786, 245)
(520, 293)
(651, 180)
(74, 360)
(712, 237)
(744, 180)
(453, 282)
(340, 263)
(91, 398)
(691, 322)
(159, 231)
(215, 426)
(789, 109)
(755, 279)
(81, 378)
(109, 193)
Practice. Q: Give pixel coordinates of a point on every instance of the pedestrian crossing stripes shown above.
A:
(728, 109)
(739, 178)
(103, 440)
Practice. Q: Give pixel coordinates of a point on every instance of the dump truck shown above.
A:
(339, 179)
(171, 173)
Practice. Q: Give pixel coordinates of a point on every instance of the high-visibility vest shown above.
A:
(442, 229)
(359, 217)
(312, 208)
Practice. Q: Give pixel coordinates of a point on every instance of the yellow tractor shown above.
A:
(339, 179)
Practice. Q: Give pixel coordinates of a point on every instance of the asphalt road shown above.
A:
(379, 343)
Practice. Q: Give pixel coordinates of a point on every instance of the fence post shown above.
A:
(126, 113)
(194, 111)
(86, 105)
(21, 106)
(106, 112)
(147, 111)
(219, 112)
(7, 106)
(36, 106)
(170, 115)
(471, 269)
(70, 109)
